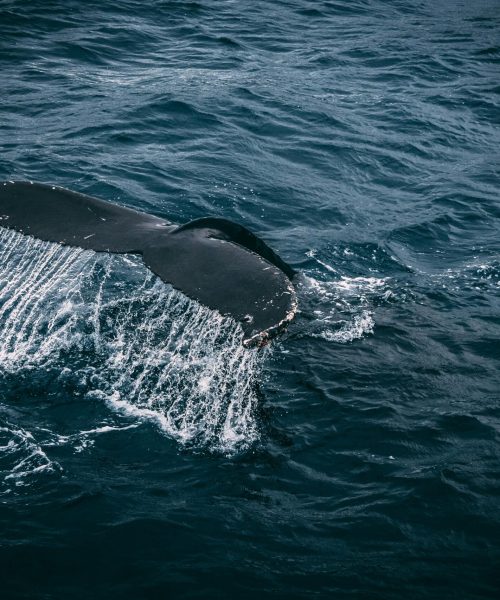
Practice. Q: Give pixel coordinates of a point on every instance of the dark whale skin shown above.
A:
(214, 261)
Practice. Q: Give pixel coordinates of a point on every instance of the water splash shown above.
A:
(40, 298)
(186, 369)
(350, 330)
(341, 310)
(340, 293)
(137, 344)
(21, 458)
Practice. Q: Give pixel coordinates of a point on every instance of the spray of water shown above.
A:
(21, 457)
(340, 310)
(153, 353)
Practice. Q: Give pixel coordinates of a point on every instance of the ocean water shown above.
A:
(144, 453)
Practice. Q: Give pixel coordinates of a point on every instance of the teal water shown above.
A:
(144, 453)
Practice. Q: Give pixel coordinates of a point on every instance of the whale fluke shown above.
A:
(214, 261)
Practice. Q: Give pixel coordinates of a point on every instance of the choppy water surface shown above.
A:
(144, 453)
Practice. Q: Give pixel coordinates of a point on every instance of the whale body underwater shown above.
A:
(216, 262)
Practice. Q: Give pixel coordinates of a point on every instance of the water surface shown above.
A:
(143, 452)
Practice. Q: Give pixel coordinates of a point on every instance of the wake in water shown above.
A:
(339, 303)
(340, 308)
(140, 346)
(342, 313)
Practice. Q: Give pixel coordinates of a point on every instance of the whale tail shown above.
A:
(214, 261)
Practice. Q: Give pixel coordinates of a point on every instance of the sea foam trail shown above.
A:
(340, 310)
(152, 353)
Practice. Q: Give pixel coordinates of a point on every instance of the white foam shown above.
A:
(354, 329)
(343, 308)
(21, 457)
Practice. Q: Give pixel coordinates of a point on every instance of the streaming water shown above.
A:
(144, 348)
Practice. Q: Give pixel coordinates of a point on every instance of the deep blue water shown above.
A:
(143, 452)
